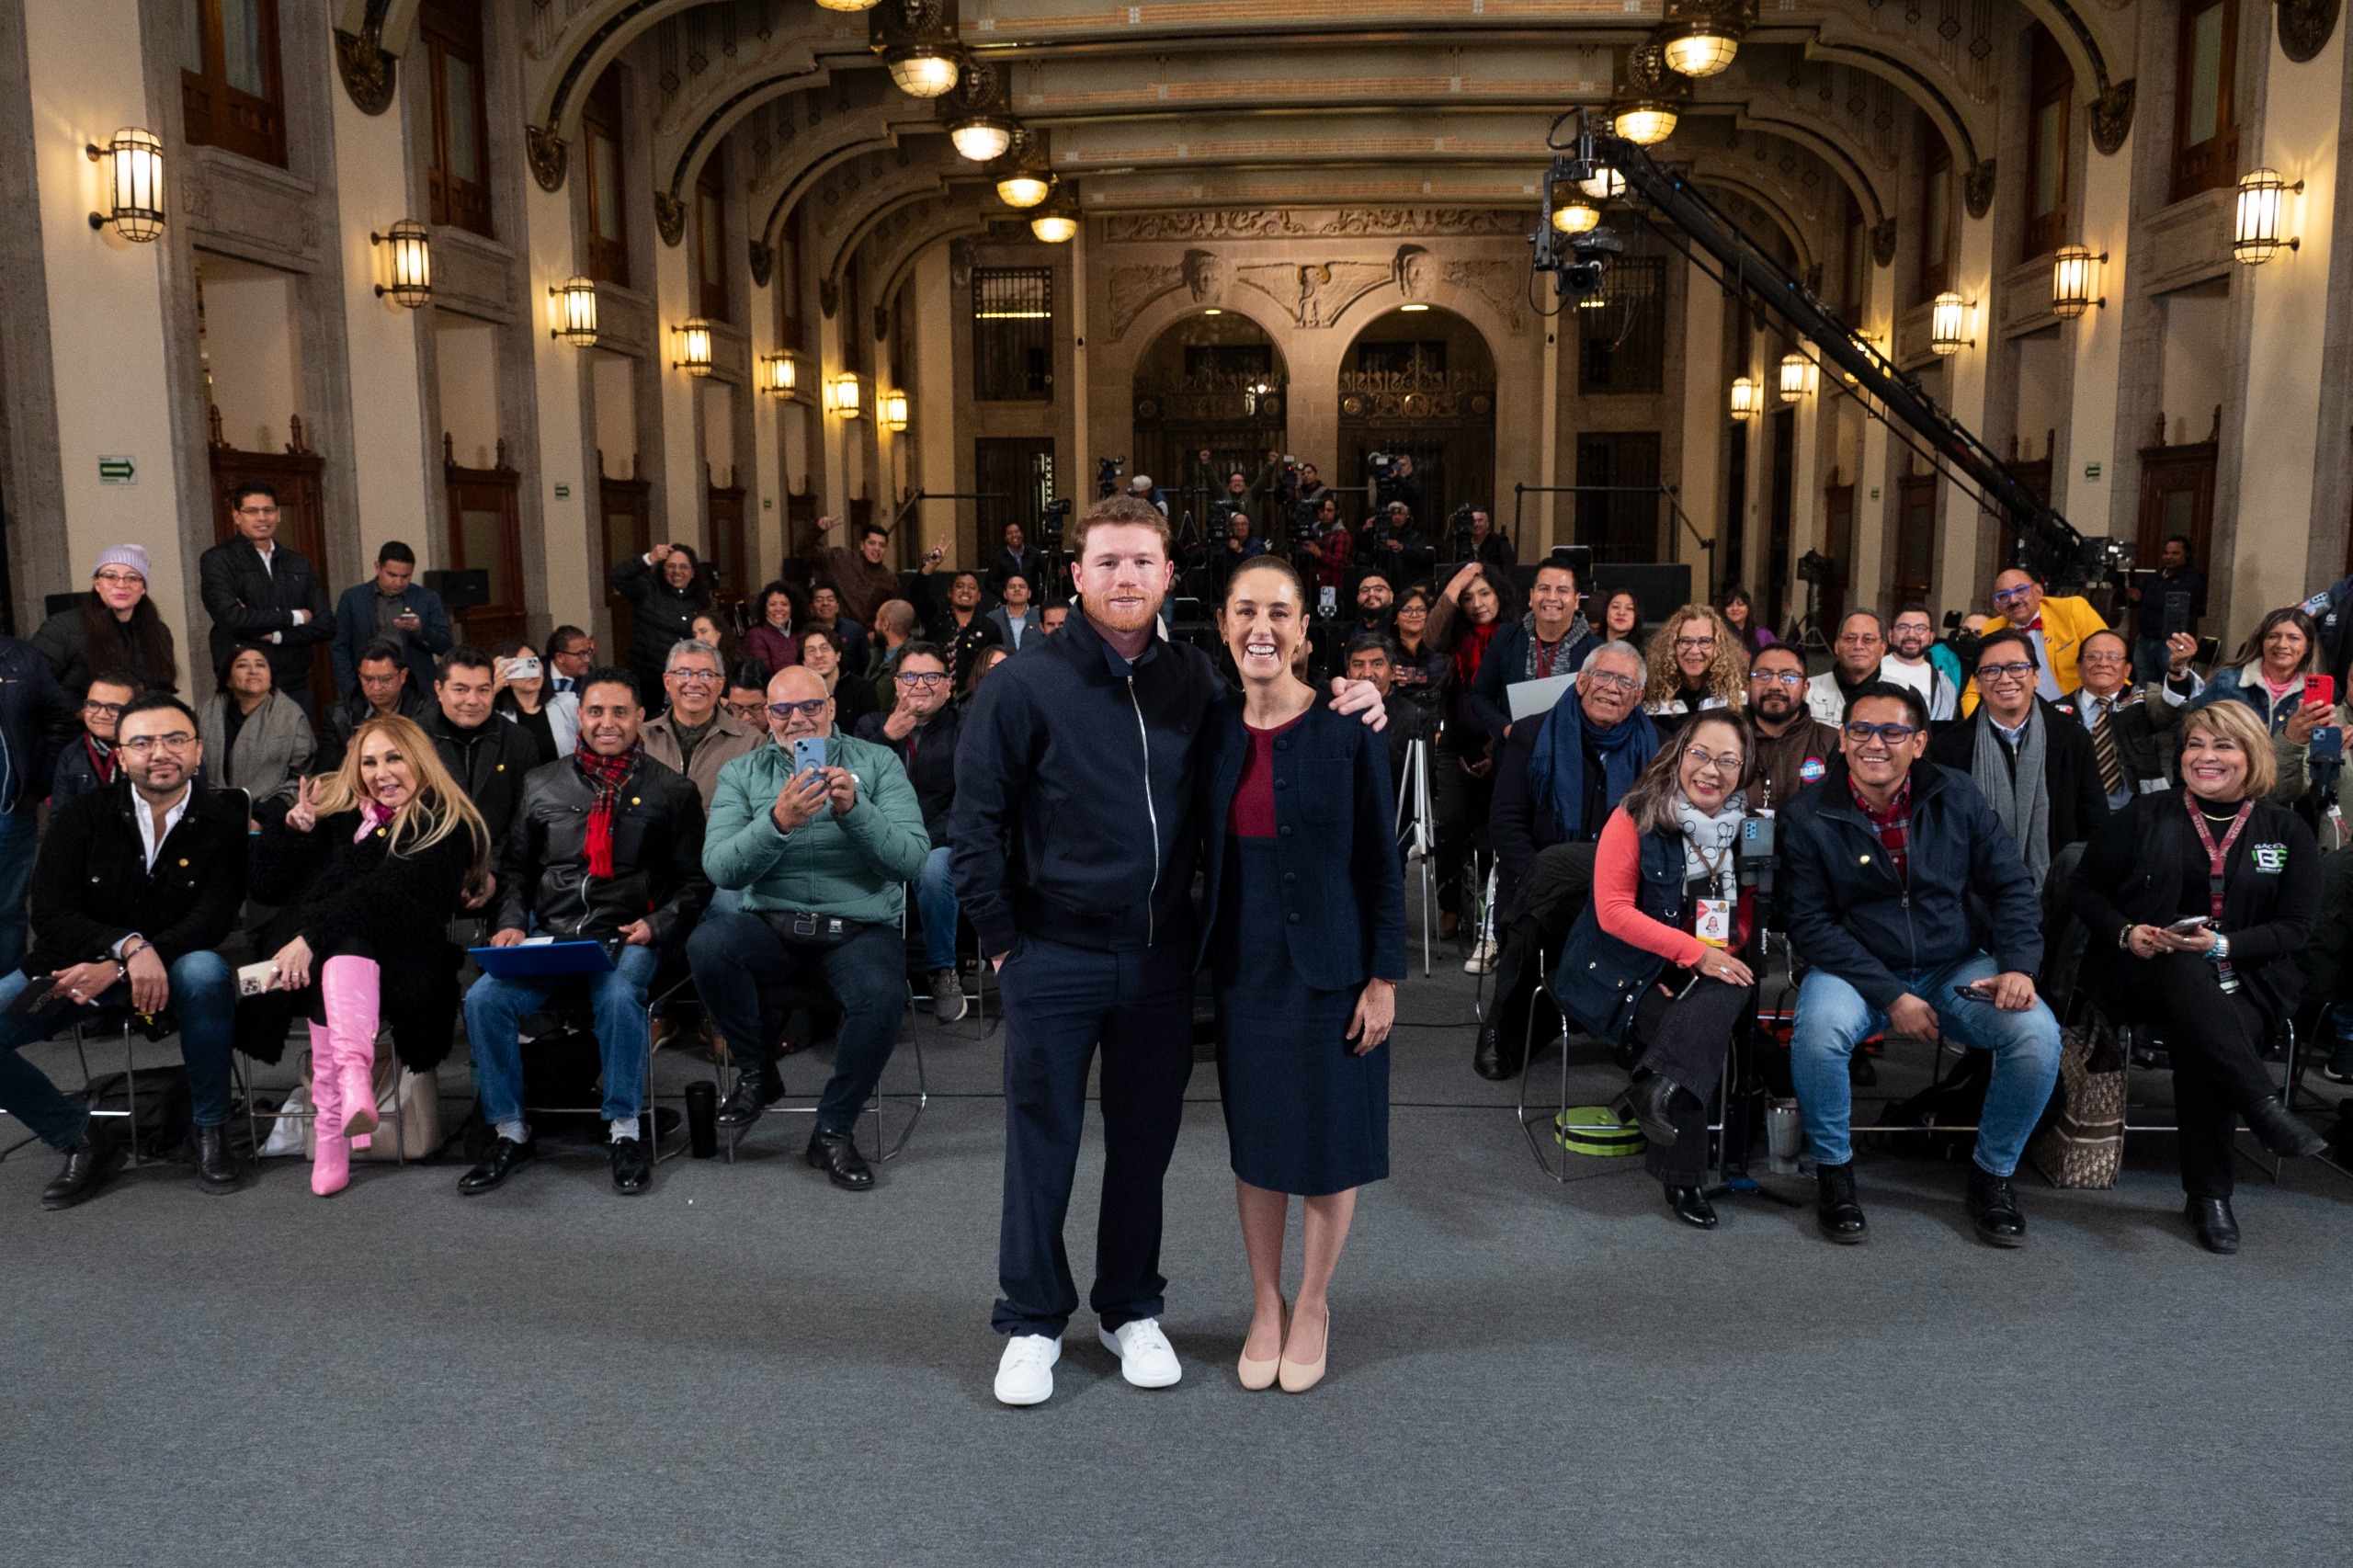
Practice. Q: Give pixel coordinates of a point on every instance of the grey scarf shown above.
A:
(2022, 803)
(1579, 628)
(1709, 842)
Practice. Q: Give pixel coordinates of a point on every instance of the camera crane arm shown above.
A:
(2045, 539)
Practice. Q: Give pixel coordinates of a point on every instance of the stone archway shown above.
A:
(1214, 382)
(1420, 380)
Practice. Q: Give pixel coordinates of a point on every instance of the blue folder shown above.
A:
(542, 960)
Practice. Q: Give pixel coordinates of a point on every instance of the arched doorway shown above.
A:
(1420, 381)
(1212, 383)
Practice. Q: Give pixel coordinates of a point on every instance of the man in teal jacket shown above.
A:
(822, 857)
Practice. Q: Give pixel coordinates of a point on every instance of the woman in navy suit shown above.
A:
(1306, 936)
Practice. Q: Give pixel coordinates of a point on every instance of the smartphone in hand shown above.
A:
(2321, 689)
(808, 755)
(2190, 926)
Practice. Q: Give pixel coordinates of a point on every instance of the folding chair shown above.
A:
(565, 1005)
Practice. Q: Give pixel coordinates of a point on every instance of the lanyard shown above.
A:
(1544, 656)
(2215, 857)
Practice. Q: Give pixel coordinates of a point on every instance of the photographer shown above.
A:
(1324, 541)
(1237, 547)
(1389, 538)
(1398, 486)
(1486, 545)
(2176, 575)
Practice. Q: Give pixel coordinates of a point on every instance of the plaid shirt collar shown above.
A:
(1893, 824)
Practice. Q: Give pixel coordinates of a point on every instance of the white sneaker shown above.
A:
(1483, 957)
(1024, 1374)
(1146, 1360)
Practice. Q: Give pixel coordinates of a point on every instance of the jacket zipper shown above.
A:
(1152, 813)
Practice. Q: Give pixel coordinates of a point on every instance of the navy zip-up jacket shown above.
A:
(36, 720)
(1965, 890)
(1075, 781)
(1506, 665)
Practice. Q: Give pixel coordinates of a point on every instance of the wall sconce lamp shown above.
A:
(575, 311)
(779, 376)
(2075, 281)
(842, 397)
(132, 168)
(894, 411)
(693, 347)
(1950, 321)
(1744, 398)
(2255, 229)
(1797, 376)
(1057, 222)
(411, 283)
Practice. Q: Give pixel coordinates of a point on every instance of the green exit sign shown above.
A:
(117, 471)
(2091, 470)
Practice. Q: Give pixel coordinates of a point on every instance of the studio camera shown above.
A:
(1107, 474)
(1458, 524)
(1815, 568)
(1052, 522)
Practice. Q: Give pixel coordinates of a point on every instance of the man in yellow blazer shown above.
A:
(2056, 627)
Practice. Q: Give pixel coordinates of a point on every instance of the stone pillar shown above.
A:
(679, 487)
(936, 404)
(1957, 534)
(2095, 338)
(1705, 397)
(574, 551)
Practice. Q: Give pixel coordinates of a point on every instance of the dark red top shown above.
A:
(1253, 812)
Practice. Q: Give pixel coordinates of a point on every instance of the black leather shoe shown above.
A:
(87, 1166)
(754, 1092)
(1492, 1059)
(1840, 1217)
(837, 1156)
(2217, 1227)
(506, 1157)
(1647, 1103)
(216, 1168)
(1691, 1206)
(1993, 1204)
(2283, 1132)
(2340, 1063)
(633, 1166)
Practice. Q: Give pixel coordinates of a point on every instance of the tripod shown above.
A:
(1806, 635)
(1740, 1061)
(1416, 832)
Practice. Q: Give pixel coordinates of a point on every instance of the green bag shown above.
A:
(1596, 1130)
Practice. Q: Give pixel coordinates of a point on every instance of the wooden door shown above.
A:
(730, 549)
(626, 507)
(1838, 544)
(2176, 502)
(1915, 536)
(486, 535)
(298, 475)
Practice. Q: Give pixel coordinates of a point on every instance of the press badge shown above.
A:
(1713, 924)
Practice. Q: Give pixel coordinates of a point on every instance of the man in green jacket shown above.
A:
(822, 857)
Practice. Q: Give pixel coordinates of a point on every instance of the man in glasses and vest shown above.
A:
(1881, 867)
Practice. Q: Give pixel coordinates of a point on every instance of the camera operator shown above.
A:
(1391, 538)
(1142, 487)
(1400, 485)
(1325, 542)
(1486, 545)
(2176, 575)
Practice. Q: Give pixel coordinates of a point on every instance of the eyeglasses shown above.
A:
(1700, 756)
(107, 710)
(921, 677)
(747, 710)
(121, 579)
(1791, 678)
(1609, 681)
(1695, 644)
(2108, 656)
(786, 711)
(699, 676)
(1891, 734)
(140, 745)
(2019, 671)
(2012, 596)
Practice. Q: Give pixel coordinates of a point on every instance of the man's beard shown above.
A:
(1912, 653)
(1775, 708)
(1102, 612)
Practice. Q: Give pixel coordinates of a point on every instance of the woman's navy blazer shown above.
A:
(1343, 888)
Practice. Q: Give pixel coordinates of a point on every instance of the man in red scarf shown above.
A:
(606, 847)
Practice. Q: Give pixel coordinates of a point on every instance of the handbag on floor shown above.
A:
(408, 1113)
(2084, 1146)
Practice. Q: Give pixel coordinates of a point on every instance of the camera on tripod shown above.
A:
(1458, 524)
(1815, 568)
(1107, 474)
(1052, 520)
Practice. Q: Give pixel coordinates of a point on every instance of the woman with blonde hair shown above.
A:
(1695, 663)
(371, 860)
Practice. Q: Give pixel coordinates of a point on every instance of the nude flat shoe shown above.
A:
(1258, 1375)
(1297, 1376)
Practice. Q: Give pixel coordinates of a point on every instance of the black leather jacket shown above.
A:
(489, 761)
(657, 857)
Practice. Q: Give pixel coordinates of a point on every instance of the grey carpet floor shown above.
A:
(746, 1366)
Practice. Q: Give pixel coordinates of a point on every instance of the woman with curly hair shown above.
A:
(1695, 662)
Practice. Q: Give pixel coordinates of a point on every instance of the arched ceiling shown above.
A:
(1239, 102)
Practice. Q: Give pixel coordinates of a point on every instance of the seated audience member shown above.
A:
(110, 930)
(1855, 656)
(2268, 675)
(1376, 603)
(1622, 619)
(115, 626)
(895, 623)
(1373, 658)
(370, 863)
(820, 652)
(572, 654)
(1739, 613)
(1886, 868)
(1695, 663)
(2030, 758)
(694, 737)
(716, 631)
(1421, 665)
(394, 606)
(37, 720)
(527, 697)
(850, 636)
(1014, 617)
(255, 738)
(774, 639)
(1052, 615)
(486, 756)
(990, 659)
(1557, 781)
(606, 847)
(1552, 639)
(2131, 726)
(921, 731)
(383, 691)
(1656, 954)
(2218, 853)
(1793, 748)
(747, 691)
(2055, 626)
(820, 858)
(1911, 661)
(957, 626)
(88, 760)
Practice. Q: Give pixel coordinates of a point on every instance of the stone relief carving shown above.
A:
(1883, 242)
(1503, 284)
(368, 73)
(1205, 275)
(2305, 26)
(1313, 295)
(1415, 270)
(545, 150)
(2112, 115)
(669, 217)
(1313, 223)
(1977, 190)
(1132, 288)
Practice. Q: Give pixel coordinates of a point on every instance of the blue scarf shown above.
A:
(1556, 767)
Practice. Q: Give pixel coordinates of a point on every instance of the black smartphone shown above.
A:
(1970, 993)
(2177, 614)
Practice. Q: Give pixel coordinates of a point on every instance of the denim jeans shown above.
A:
(742, 967)
(20, 837)
(203, 1005)
(935, 901)
(496, 1009)
(1832, 1019)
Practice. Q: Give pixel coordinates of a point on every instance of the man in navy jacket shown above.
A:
(1551, 639)
(1074, 840)
(392, 606)
(1890, 867)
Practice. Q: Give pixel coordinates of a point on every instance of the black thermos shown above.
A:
(702, 1118)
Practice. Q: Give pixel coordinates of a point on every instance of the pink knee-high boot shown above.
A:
(331, 1162)
(352, 987)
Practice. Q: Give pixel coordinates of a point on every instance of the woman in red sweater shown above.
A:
(1657, 953)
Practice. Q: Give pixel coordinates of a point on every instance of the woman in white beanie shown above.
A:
(114, 627)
